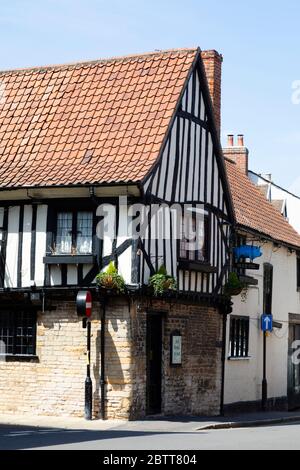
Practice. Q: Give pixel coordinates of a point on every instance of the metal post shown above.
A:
(88, 381)
(102, 363)
(264, 381)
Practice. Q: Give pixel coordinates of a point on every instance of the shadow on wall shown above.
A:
(119, 364)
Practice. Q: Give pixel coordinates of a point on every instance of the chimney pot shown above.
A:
(240, 140)
(237, 153)
(230, 140)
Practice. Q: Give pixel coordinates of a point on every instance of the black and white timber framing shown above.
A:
(188, 170)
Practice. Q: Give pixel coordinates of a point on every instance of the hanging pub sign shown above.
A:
(247, 251)
(176, 349)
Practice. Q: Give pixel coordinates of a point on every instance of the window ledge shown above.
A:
(18, 357)
(246, 358)
(69, 259)
(199, 266)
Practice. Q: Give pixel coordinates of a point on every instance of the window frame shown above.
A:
(14, 325)
(207, 231)
(74, 235)
(243, 339)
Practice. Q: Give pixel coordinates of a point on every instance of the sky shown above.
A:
(259, 40)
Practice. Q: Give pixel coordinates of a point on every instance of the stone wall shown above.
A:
(53, 384)
(194, 387)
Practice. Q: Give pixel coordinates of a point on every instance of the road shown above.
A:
(285, 436)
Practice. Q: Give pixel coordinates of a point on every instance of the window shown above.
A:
(239, 337)
(268, 288)
(18, 333)
(194, 240)
(74, 233)
(298, 272)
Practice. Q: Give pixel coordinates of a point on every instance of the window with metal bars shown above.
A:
(74, 232)
(239, 337)
(18, 333)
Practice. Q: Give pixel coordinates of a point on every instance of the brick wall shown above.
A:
(194, 387)
(212, 62)
(54, 384)
(239, 155)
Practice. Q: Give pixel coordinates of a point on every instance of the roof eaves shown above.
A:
(268, 237)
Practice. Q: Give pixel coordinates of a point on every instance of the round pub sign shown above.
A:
(84, 303)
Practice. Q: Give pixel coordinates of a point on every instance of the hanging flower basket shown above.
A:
(110, 280)
(233, 286)
(162, 283)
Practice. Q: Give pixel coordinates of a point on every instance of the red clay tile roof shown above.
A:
(253, 211)
(94, 122)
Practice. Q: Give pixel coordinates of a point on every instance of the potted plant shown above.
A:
(111, 280)
(161, 282)
(233, 286)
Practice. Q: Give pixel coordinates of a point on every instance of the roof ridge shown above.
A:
(275, 184)
(91, 62)
(284, 223)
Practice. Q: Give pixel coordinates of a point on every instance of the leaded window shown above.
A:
(194, 240)
(74, 233)
(18, 333)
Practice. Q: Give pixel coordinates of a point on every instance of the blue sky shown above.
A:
(259, 40)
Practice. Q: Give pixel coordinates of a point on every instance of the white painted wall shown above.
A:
(11, 271)
(243, 377)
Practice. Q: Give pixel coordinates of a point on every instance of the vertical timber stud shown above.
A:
(84, 309)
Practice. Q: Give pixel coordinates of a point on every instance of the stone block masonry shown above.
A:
(53, 383)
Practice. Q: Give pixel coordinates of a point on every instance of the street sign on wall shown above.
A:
(267, 322)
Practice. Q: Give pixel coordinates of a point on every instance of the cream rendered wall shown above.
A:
(243, 376)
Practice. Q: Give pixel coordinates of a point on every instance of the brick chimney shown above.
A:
(237, 153)
(212, 62)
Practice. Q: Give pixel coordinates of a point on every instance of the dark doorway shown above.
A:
(294, 367)
(154, 363)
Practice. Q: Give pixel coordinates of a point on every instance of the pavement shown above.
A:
(165, 423)
(276, 430)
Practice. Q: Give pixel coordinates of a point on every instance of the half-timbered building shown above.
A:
(262, 372)
(112, 133)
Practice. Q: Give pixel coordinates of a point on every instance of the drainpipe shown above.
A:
(226, 310)
(102, 359)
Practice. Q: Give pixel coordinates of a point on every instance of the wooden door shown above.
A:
(154, 363)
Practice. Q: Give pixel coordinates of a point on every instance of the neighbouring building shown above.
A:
(75, 137)
(284, 200)
(272, 289)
